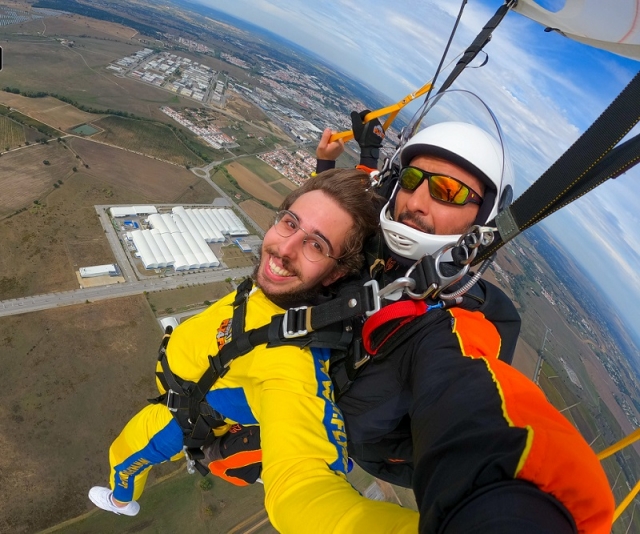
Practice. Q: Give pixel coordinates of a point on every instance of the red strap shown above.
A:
(404, 308)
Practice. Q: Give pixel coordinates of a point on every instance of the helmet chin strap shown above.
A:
(426, 276)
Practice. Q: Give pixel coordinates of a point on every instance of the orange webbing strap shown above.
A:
(392, 111)
(627, 440)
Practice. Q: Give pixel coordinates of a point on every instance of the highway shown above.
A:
(126, 289)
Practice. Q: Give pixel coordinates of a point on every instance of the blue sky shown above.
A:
(545, 90)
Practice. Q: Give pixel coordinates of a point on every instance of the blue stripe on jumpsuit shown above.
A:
(332, 418)
(161, 447)
(232, 403)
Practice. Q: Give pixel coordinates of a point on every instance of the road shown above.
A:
(251, 524)
(92, 294)
(203, 172)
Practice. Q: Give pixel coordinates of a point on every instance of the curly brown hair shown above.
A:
(350, 188)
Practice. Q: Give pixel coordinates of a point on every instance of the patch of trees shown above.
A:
(194, 147)
(266, 204)
(16, 212)
(95, 13)
(74, 103)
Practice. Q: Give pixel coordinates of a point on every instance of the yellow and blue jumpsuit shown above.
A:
(288, 392)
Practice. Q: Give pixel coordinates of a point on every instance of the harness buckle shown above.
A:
(296, 322)
(171, 395)
(375, 290)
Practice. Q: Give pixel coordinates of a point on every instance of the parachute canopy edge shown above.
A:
(613, 25)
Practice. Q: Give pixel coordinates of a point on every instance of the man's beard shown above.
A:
(290, 299)
(407, 216)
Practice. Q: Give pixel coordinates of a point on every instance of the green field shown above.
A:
(187, 298)
(233, 257)
(33, 63)
(28, 121)
(282, 189)
(198, 146)
(221, 178)
(11, 134)
(149, 138)
(180, 504)
(251, 140)
(261, 169)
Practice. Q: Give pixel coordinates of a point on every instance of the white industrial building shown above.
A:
(131, 211)
(99, 270)
(181, 239)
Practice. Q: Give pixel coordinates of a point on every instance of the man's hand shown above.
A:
(327, 150)
(369, 136)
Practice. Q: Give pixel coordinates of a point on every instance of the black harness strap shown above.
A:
(323, 326)
(591, 160)
(478, 44)
(352, 302)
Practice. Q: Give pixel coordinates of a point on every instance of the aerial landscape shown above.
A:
(145, 148)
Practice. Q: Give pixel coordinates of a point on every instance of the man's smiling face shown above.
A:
(284, 274)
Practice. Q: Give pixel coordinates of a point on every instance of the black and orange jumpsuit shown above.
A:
(488, 452)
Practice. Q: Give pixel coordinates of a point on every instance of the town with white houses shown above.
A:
(214, 137)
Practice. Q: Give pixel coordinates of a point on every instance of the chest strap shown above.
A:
(385, 324)
(323, 326)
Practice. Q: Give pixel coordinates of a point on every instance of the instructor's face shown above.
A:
(285, 273)
(421, 211)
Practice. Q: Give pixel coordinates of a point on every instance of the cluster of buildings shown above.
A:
(210, 134)
(317, 104)
(571, 373)
(296, 166)
(125, 63)
(235, 61)
(192, 45)
(172, 72)
(180, 239)
(293, 122)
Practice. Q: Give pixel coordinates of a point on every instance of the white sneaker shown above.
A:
(102, 498)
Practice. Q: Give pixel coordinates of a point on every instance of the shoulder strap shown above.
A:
(591, 160)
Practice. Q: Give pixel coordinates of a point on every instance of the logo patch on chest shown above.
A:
(223, 336)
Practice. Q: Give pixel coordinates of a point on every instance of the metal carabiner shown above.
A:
(191, 463)
(394, 290)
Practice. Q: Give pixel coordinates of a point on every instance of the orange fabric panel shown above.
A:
(240, 459)
(557, 459)
(478, 337)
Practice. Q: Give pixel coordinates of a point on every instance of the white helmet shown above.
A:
(473, 149)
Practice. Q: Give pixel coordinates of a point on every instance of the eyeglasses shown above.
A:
(314, 247)
(442, 187)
